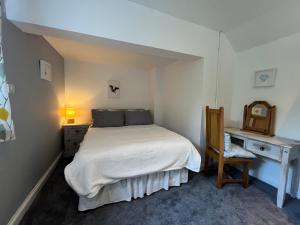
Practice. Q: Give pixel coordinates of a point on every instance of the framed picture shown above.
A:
(265, 78)
(113, 89)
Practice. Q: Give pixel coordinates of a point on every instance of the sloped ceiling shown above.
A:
(113, 53)
(246, 23)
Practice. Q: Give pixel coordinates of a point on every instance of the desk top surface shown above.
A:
(275, 140)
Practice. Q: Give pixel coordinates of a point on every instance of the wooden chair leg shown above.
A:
(246, 175)
(220, 174)
(206, 163)
(211, 162)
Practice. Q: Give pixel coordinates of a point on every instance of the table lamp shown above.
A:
(70, 113)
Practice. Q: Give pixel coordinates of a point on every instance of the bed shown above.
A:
(117, 164)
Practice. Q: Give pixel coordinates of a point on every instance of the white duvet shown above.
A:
(108, 155)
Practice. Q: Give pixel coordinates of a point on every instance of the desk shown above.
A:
(282, 150)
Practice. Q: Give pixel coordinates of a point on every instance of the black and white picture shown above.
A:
(113, 89)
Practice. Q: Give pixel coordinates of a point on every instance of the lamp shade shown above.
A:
(70, 112)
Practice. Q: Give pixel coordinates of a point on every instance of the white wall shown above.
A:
(118, 19)
(284, 54)
(183, 89)
(86, 87)
(131, 24)
(181, 98)
(156, 89)
(225, 77)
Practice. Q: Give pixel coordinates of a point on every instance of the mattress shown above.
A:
(109, 155)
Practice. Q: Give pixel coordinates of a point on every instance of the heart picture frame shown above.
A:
(265, 78)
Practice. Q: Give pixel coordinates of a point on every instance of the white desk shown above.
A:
(282, 150)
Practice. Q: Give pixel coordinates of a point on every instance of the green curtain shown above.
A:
(6, 122)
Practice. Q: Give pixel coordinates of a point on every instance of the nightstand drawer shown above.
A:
(73, 136)
(73, 144)
(70, 151)
(71, 148)
(76, 138)
(263, 149)
(76, 131)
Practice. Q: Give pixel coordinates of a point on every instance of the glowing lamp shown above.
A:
(70, 114)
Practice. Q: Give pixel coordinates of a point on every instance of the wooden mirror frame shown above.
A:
(260, 124)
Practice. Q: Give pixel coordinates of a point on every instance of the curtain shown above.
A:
(6, 122)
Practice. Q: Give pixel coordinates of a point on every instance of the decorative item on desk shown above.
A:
(70, 113)
(259, 117)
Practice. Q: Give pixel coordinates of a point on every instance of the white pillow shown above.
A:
(233, 150)
(227, 142)
(238, 151)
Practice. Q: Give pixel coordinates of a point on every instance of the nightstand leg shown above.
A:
(283, 178)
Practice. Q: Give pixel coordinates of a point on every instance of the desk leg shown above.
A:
(283, 177)
(295, 178)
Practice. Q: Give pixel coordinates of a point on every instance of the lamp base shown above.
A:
(70, 121)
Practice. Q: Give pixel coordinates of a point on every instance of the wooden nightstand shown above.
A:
(73, 135)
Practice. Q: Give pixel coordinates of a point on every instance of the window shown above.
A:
(6, 123)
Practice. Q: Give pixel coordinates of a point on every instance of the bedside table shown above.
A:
(73, 135)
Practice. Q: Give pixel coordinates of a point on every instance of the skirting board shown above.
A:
(17, 217)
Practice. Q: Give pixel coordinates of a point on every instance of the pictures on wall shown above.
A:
(265, 78)
(113, 89)
(45, 70)
(7, 131)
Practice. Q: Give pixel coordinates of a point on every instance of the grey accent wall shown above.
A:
(35, 111)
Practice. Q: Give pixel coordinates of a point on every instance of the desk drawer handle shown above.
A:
(260, 147)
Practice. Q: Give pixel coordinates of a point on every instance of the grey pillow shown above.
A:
(138, 117)
(104, 118)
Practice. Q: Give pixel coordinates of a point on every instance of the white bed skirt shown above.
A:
(135, 187)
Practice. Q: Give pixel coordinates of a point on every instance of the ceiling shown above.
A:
(115, 53)
(246, 23)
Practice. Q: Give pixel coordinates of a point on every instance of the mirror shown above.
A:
(259, 117)
(259, 110)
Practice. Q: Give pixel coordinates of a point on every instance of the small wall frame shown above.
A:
(113, 89)
(265, 78)
(259, 117)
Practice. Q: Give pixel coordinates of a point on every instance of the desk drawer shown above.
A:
(263, 149)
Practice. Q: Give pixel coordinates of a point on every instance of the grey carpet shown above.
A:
(197, 202)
